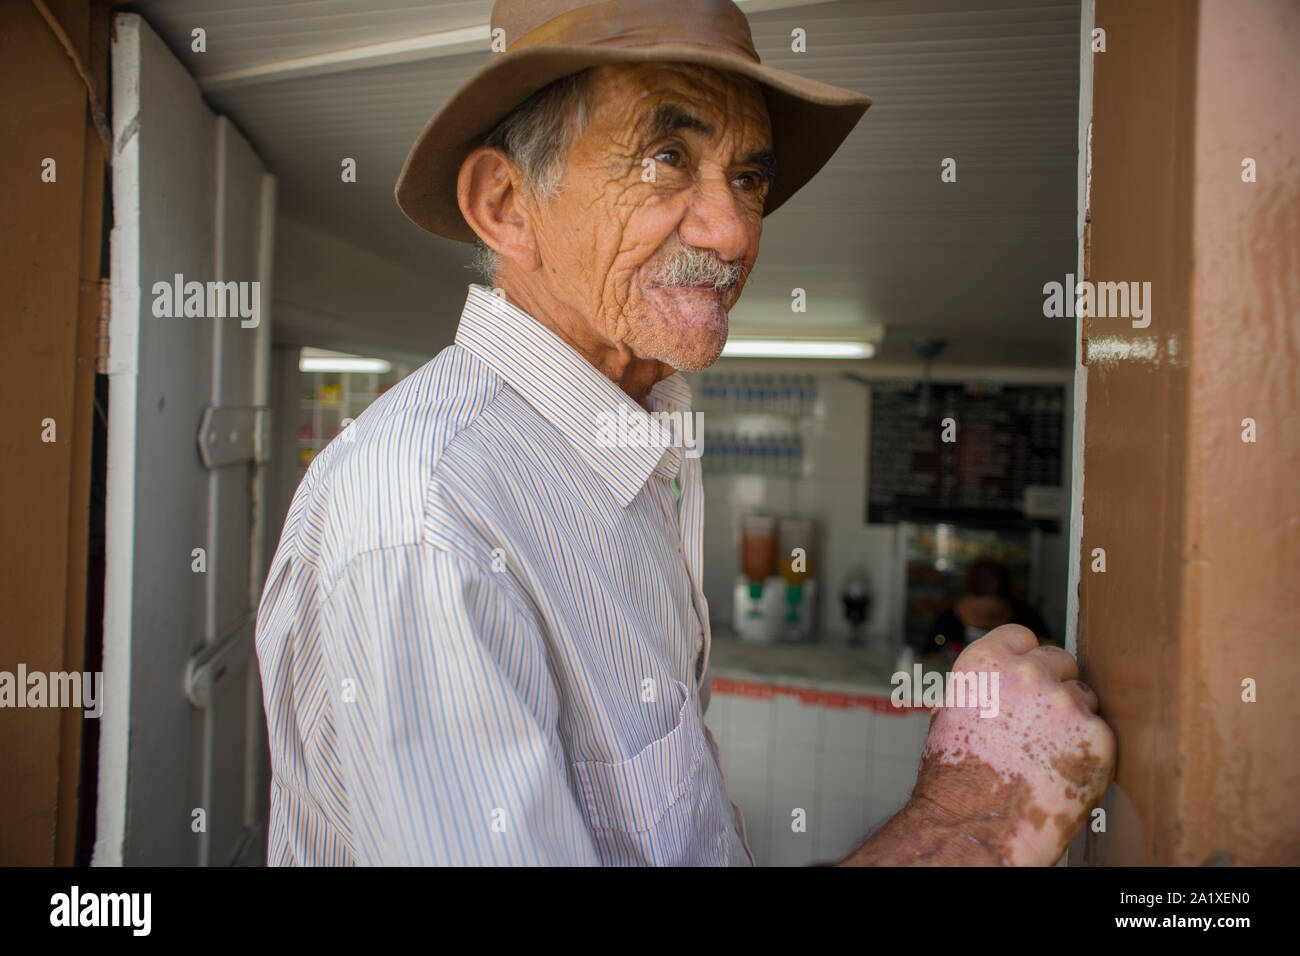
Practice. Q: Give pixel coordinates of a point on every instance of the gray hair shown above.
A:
(536, 136)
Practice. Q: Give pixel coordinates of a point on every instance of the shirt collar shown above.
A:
(598, 418)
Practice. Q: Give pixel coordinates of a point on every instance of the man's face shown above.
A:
(659, 216)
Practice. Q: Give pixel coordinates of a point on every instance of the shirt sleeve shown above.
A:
(446, 712)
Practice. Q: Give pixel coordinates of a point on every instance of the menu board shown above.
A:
(977, 455)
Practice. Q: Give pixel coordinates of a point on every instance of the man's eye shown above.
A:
(751, 182)
(669, 152)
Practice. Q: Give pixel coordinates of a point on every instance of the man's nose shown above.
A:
(716, 220)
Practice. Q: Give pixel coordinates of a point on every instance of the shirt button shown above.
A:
(699, 642)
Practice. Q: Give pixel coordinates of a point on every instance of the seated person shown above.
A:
(987, 602)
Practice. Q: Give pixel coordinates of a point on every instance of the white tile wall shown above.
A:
(847, 768)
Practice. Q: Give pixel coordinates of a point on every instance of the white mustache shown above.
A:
(691, 267)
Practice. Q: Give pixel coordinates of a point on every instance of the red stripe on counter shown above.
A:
(810, 697)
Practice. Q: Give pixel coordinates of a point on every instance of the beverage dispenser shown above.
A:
(776, 592)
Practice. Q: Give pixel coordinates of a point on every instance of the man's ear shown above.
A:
(488, 190)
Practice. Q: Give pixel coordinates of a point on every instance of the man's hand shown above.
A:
(1009, 788)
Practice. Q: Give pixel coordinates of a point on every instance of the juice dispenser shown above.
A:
(797, 547)
(776, 592)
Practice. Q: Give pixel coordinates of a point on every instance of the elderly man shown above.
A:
(483, 638)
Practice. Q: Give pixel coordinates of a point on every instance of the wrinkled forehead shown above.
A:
(644, 100)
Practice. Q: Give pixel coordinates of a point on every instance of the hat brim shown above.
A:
(809, 119)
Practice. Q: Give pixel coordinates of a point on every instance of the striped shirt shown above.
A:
(483, 638)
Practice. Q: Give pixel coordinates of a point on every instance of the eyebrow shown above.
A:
(668, 118)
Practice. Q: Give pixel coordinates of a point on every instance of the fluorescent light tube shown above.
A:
(797, 348)
(322, 363)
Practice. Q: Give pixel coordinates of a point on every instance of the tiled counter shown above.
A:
(811, 728)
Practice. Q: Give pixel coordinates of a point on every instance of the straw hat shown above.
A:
(550, 39)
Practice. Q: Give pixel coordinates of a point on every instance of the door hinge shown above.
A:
(232, 436)
(101, 330)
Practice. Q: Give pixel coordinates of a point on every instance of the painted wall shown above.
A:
(1242, 511)
(1199, 527)
(50, 275)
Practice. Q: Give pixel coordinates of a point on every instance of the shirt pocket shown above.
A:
(659, 807)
